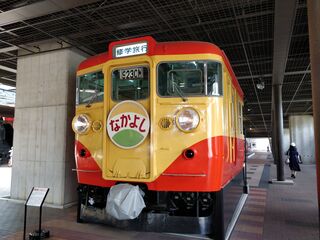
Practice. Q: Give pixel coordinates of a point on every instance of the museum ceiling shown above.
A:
(244, 29)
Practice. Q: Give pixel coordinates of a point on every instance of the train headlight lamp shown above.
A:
(81, 124)
(187, 119)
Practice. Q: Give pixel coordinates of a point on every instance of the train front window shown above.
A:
(192, 78)
(130, 83)
(90, 88)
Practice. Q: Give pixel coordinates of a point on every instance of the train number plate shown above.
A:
(131, 73)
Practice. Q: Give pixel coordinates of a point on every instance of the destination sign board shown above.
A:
(130, 50)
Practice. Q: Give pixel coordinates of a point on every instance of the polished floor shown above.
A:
(272, 212)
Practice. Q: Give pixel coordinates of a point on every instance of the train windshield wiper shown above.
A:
(94, 96)
(180, 93)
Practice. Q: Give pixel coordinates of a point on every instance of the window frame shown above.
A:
(128, 67)
(204, 75)
(78, 87)
(240, 117)
(191, 70)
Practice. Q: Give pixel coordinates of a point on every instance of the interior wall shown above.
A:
(302, 134)
(286, 139)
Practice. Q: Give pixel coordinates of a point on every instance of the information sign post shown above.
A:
(36, 199)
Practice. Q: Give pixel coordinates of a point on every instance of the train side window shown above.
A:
(240, 111)
(214, 79)
(233, 119)
(90, 88)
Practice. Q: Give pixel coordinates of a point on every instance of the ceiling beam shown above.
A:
(284, 16)
(270, 75)
(245, 42)
(7, 69)
(39, 9)
(9, 32)
(306, 112)
(283, 101)
(256, 62)
(283, 25)
(8, 81)
(297, 72)
(8, 49)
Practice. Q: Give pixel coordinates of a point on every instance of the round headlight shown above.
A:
(187, 119)
(81, 124)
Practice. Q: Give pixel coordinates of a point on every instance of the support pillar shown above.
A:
(278, 125)
(274, 139)
(314, 43)
(43, 145)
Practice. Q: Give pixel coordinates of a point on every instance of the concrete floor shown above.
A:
(272, 212)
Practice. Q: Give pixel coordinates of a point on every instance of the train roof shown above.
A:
(165, 48)
(93, 61)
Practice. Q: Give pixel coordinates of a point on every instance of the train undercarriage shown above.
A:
(206, 213)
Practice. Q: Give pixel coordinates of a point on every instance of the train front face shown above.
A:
(163, 122)
(161, 128)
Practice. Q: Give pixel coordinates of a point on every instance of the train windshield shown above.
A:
(130, 83)
(189, 78)
(90, 88)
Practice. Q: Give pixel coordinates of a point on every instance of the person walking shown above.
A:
(293, 155)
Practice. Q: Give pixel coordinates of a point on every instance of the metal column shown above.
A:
(314, 42)
(278, 127)
(274, 138)
(284, 15)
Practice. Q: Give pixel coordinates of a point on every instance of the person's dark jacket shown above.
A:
(294, 158)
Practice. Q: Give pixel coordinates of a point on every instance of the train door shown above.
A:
(127, 108)
(231, 122)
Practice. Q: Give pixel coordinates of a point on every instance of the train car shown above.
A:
(167, 117)
(6, 140)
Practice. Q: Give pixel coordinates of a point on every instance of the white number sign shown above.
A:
(131, 73)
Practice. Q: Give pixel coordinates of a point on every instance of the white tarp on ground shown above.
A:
(125, 201)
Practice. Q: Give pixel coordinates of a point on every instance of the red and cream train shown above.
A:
(168, 118)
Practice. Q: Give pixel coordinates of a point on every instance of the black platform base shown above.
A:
(35, 235)
(155, 222)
